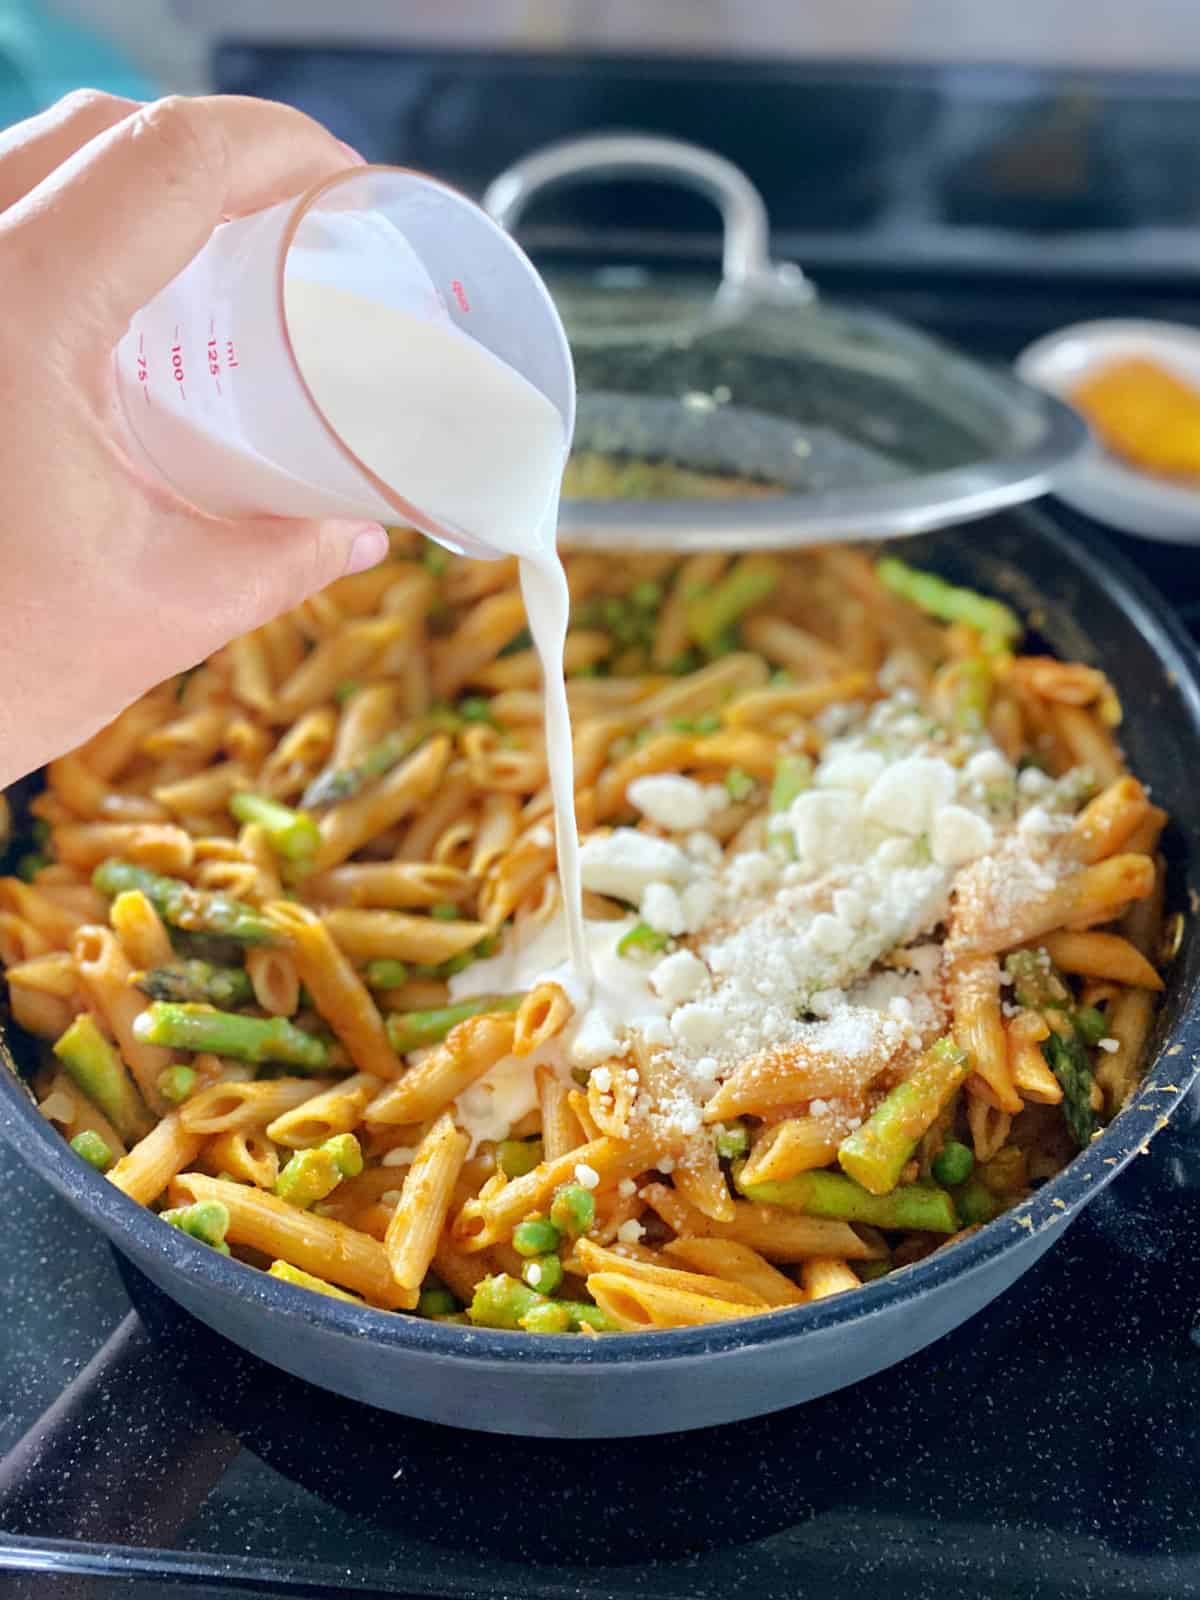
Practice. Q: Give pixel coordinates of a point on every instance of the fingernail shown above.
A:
(368, 549)
(358, 160)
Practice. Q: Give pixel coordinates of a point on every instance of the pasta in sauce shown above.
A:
(873, 906)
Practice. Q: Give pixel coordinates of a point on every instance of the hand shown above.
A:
(111, 583)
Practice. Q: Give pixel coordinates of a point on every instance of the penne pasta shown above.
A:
(1101, 955)
(825, 1276)
(315, 1244)
(468, 1052)
(348, 826)
(845, 937)
(229, 1105)
(338, 1109)
(737, 1263)
(417, 1222)
(144, 1173)
(138, 927)
(104, 976)
(337, 991)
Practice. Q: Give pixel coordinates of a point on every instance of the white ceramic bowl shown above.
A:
(1096, 483)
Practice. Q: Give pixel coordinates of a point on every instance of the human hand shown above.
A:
(111, 582)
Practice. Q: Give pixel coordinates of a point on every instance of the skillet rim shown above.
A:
(1163, 1088)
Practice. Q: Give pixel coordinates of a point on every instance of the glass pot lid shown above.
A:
(755, 413)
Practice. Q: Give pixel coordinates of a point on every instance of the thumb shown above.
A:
(216, 578)
(292, 559)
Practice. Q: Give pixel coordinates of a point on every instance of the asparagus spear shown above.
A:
(999, 626)
(876, 1153)
(293, 835)
(225, 1033)
(194, 910)
(99, 1071)
(1036, 981)
(1068, 1061)
(918, 1206)
(972, 693)
(504, 1302)
(313, 1174)
(340, 783)
(200, 982)
(712, 612)
(413, 1030)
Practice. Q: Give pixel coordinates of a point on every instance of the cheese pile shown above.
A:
(775, 942)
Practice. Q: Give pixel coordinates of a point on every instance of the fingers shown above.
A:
(116, 222)
(31, 150)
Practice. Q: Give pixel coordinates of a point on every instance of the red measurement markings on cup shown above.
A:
(143, 370)
(214, 356)
(460, 294)
(231, 359)
(177, 364)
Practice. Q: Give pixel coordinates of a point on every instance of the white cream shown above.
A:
(617, 1001)
(470, 442)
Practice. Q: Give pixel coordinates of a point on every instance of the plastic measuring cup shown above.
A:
(213, 394)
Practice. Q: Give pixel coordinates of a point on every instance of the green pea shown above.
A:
(205, 1220)
(345, 689)
(646, 595)
(444, 911)
(543, 1273)
(516, 1157)
(475, 708)
(176, 1083)
(953, 1164)
(641, 941)
(573, 1210)
(385, 973)
(550, 1318)
(536, 1237)
(739, 784)
(708, 723)
(346, 1153)
(92, 1148)
(435, 559)
(868, 1271)
(436, 1302)
(974, 1204)
(732, 1141)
